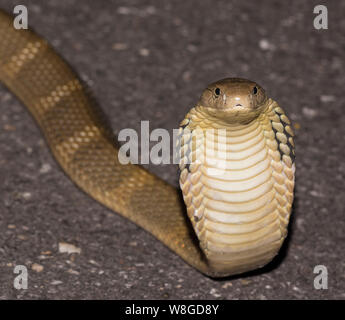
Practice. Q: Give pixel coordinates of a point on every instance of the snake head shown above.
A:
(233, 100)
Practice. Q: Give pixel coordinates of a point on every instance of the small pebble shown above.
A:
(316, 194)
(42, 257)
(119, 46)
(215, 293)
(265, 45)
(227, 285)
(144, 52)
(309, 112)
(26, 195)
(71, 271)
(327, 98)
(68, 248)
(46, 167)
(37, 267)
(93, 262)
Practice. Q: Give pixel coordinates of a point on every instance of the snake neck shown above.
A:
(237, 193)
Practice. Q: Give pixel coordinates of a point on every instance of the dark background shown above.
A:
(149, 60)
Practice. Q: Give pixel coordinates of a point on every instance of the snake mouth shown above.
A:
(238, 108)
(237, 113)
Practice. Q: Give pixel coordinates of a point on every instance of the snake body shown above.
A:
(240, 218)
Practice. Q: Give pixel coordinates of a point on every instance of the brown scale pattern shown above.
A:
(83, 144)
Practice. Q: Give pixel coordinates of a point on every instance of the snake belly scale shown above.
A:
(239, 213)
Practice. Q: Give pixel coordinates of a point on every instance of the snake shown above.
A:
(236, 160)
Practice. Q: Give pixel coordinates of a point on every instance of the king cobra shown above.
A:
(238, 198)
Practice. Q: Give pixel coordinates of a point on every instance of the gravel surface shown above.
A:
(149, 60)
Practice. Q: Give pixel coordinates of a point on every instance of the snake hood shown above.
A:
(237, 175)
(233, 100)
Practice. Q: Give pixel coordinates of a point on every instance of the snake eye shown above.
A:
(255, 90)
(217, 91)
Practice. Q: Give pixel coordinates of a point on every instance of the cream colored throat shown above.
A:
(229, 190)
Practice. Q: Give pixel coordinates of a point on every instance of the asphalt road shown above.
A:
(149, 60)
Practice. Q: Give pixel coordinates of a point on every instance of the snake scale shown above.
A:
(238, 198)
